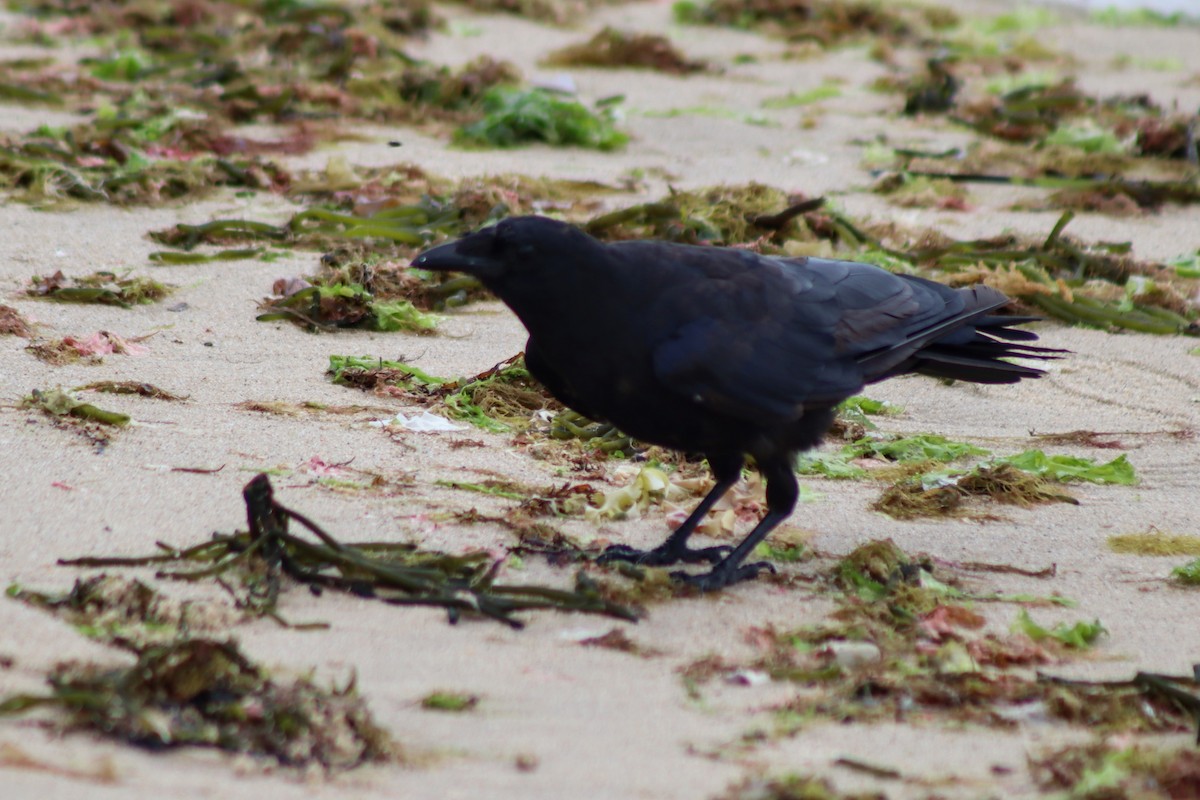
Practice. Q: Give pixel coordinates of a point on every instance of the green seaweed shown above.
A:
(794, 99)
(1118, 17)
(1079, 636)
(57, 403)
(1088, 137)
(1105, 768)
(926, 447)
(345, 306)
(455, 702)
(1187, 574)
(1064, 468)
(501, 399)
(513, 117)
(853, 415)
(398, 229)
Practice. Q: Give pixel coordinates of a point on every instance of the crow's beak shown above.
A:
(450, 257)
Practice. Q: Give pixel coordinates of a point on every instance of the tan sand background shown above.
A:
(600, 724)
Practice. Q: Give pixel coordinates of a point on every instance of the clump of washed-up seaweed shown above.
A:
(261, 561)
(1074, 177)
(352, 289)
(826, 22)
(341, 305)
(456, 94)
(506, 399)
(1116, 155)
(1117, 17)
(85, 349)
(14, 323)
(810, 787)
(725, 215)
(1116, 768)
(944, 494)
(105, 288)
(557, 12)
(149, 157)
(1188, 574)
(319, 58)
(920, 449)
(906, 640)
(126, 611)
(1062, 114)
(452, 702)
(199, 692)
(360, 219)
(57, 403)
(513, 116)
(917, 191)
(65, 411)
(411, 225)
(1155, 542)
(601, 437)
(161, 101)
(615, 48)
(500, 399)
(925, 485)
(1100, 285)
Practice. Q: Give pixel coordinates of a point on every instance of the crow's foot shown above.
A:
(720, 578)
(663, 556)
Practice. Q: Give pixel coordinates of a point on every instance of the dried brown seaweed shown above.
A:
(614, 48)
(207, 693)
(396, 574)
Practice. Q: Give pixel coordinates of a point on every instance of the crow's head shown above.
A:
(513, 248)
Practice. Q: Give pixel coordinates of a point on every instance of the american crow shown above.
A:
(725, 352)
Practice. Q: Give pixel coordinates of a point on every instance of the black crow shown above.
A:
(725, 352)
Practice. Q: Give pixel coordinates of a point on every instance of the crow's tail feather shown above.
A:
(977, 353)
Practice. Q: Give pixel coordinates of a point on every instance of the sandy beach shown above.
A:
(556, 719)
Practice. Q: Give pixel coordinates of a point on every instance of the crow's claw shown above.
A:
(661, 557)
(720, 578)
(619, 552)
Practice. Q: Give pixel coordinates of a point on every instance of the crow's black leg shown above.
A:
(726, 469)
(782, 493)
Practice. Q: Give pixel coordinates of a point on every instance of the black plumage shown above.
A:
(725, 352)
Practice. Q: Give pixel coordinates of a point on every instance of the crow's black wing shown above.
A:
(767, 341)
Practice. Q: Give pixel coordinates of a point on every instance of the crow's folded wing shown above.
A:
(765, 343)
